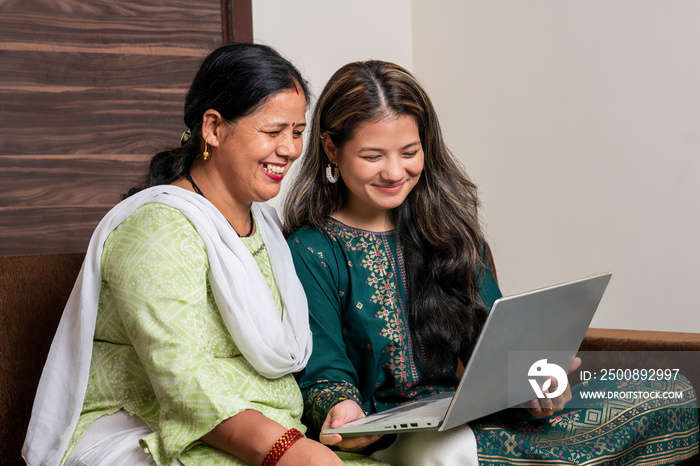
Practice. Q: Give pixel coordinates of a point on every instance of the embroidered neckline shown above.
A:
(360, 230)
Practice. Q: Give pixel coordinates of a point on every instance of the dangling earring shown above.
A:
(206, 151)
(332, 173)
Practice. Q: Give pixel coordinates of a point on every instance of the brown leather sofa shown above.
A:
(34, 289)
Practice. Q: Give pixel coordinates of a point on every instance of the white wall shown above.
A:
(580, 122)
(320, 36)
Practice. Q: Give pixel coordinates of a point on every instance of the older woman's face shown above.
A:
(257, 150)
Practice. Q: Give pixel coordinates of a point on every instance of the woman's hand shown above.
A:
(307, 451)
(339, 415)
(249, 435)
(544, 407)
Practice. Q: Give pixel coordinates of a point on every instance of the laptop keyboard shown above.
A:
(425, 409)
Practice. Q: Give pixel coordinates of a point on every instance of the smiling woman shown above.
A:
(384, 231)
(192, 319)
(379, 250)
(381, 165)
(249, 156)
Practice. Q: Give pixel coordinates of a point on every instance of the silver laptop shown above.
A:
(520, 330)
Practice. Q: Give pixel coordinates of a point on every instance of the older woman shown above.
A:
(384, 230)
(187, 322)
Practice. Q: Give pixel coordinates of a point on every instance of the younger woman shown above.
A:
(384, 230)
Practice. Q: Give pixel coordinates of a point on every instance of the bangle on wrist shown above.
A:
(281, 446)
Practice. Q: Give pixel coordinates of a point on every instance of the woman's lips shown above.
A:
(274, 171)
(389, 188)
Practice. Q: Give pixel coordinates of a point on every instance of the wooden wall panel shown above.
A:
(48, 230)
(89, 89)
(67, 180)
(77, 120)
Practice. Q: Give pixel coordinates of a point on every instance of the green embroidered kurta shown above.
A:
(356, 286)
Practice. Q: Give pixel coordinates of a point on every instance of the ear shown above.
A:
(330, 148)
(213, 127)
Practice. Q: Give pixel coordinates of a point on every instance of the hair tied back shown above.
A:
(185, 137)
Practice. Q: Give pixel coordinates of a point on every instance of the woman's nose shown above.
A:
(289, 147)
(393, 168)
(284, 147)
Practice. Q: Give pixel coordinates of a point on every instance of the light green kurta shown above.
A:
(161, 349)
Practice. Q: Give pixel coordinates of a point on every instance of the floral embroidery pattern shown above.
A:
(381, 263)
(319, 401)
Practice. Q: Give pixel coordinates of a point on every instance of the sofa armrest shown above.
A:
(601, 339)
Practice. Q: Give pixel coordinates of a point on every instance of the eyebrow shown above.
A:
(282, 125)
(380, 149)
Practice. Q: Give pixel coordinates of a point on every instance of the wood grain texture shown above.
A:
(237, 20)
(89, 90)
(92, 70)
(90, 121)
(48, 229)
(114, 26)
(45, 181)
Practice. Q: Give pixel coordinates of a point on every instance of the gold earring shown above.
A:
(206, 151)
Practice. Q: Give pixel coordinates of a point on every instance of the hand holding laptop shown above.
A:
(339, 415)
(545, 407)
(513, 327)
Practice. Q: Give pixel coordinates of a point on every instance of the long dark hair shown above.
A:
(437, 225)
(235, 80)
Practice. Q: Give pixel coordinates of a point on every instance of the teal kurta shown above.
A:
(356, 286)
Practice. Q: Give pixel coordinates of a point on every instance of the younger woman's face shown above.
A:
(380, 165)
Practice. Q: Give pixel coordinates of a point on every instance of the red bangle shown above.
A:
(281, 446)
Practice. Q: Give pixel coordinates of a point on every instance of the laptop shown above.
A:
(520, 331)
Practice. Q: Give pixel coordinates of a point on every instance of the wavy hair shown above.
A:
(437, 225)
(235, 80)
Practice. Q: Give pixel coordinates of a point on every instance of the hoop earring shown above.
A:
(206, 151)
(332, 173)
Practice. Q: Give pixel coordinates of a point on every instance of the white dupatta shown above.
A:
(273, 346)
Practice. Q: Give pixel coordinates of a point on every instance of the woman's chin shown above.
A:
(390, 203)
(267, 194)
